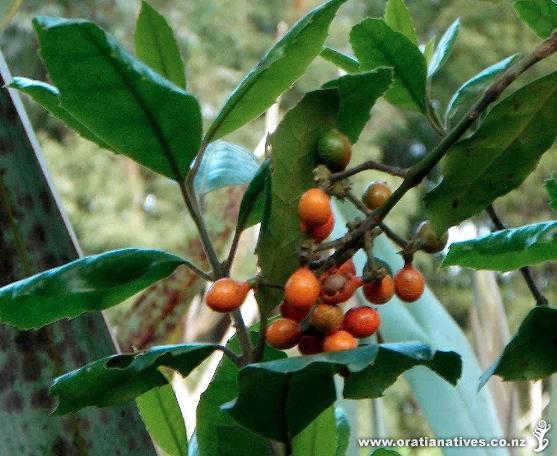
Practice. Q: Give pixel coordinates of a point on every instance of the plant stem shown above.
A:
(358, 203)
(420, 170)
(398, 240)
(526, 272)
(368, 165)
(231, 355)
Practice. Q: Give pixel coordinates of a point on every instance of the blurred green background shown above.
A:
(112, 203)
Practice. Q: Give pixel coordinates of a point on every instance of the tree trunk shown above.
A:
(34, 236)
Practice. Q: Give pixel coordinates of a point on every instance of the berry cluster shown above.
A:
(311, 313)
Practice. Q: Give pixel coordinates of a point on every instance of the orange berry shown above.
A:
(361, 321)
(380, 291)
(314, 208)
(332, 292)
(339, 341)
(283, 334)
(226, 294)
(409, 283)
(321, 232)
(327, 318)
(291, 312)
(302, 289)
(311, 343)
(375, 194)
(348, 267)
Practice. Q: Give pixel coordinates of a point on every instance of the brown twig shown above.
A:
(369, 165)
(526, 272)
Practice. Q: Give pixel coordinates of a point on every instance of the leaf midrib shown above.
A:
(136, 95)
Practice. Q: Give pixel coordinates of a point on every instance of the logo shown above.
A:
(539, 433)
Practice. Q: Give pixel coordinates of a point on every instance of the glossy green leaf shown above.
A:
(253, 201)
(530, 355)
(343, 432)
(539, 15)
(223, 165)
(274, 400)
(508, 249)
(344, 61)
(384, 452)
(155, 45)
(118, 379)
(398, 18)
(91, 283)
(277, 71)
(318, 438)
(551, 187)
(163, 419)
(376, 44)
(217, 433)
(469, 92)
(358, 93)
(135, 111)
(498, 157)
(48, 97)
(444, 48)
(293, 146)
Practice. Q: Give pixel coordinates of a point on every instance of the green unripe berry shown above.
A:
(430, 242)
(334, 150)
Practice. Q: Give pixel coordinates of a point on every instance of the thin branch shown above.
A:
(369, 165)
(415, 175)
(398, 240)
(233, 250)
(357, 202)
(200, 272)
(230, 355)
(526, 272)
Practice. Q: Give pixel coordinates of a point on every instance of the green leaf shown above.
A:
(344, 61)
(48, 97)
(551, 187)
(376, 44)
(217, 433)
(156, 45)
(468, 93)
(274, 399)
(343, 432)
(384, 452)
(293, 146)
(358, 93)
(398, 18)
(508, 249)
(285, 62)
(118, 379)
(444, 48)
(253, 201)
(91, 283)
(319, 438)
(163, 419)
(135, 111)
(223, 165)
(498, 156)
(429, 49)
(530, 355)
(539, 15)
